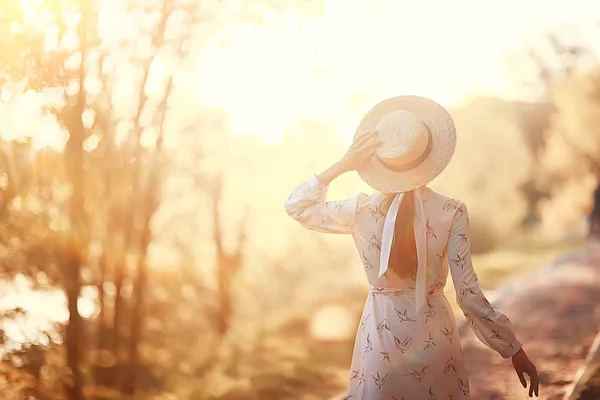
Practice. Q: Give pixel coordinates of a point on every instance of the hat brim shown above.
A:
(443, 133)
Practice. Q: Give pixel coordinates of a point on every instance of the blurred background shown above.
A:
(147, 148)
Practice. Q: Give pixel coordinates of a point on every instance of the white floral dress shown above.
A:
(407, 345)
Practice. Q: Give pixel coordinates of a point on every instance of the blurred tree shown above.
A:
(568, 158)
(97, 193)
(490, 139)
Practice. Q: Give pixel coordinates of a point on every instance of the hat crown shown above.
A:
(404, 137)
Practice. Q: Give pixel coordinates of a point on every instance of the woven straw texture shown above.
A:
(443, 132)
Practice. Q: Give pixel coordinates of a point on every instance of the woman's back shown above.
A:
(407, 240)
(439, 211)
(421, 350)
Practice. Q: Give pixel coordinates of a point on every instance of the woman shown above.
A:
(408, 236)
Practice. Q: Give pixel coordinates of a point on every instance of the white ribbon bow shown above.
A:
(419, 224)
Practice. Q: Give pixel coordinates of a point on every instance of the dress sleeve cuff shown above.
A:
(315, 182)
(512, 349)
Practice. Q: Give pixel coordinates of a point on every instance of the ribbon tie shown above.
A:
(420, 229)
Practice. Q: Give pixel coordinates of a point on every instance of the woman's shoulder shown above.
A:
(446, 203)
(378, 202)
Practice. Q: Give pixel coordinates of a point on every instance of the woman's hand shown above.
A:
(360, 152)
(522, 365)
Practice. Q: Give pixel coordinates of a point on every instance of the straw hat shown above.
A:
(418, 140)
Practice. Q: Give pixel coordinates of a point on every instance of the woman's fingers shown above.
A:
(361, 140)
(374, 145)
(370, 148)
(369, 144)
(522, 378)
(534, 384)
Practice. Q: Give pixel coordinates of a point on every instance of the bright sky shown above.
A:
(335, 66)
(367, 51)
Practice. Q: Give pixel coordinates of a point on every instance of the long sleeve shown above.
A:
(308, 205)
(492, 327)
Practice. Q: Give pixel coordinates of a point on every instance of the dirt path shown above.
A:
(556, 313)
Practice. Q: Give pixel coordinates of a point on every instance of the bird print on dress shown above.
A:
(339, 206)
(374, 243)
(463, 237)
(450, 365)
(367, 263)
(429, 313)
(402, 315)
(354, 375)
(447, 333)
(396, 398)
(471, 321)
(368, 346)
(383, 325)
(450, 205)
(432, 395)
(429, 342)
(323, 225)
(320, 191)
(463, 386)
(465, 289)
(361, 378)
(459, 261)
(386, 356)
(437, 285)
(403, 345)
(487, 319)
(348, 397)
(496, 335)
(486, 303)
(430, 231)
(379, 380)
(377, 213)
(363, 323)
(441, 255)
(417, 375)
(446, 308)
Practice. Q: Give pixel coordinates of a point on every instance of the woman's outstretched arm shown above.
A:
(308, 203)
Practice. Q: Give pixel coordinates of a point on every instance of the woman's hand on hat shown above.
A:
(360, 151)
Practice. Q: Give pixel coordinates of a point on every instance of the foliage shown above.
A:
(119, 189)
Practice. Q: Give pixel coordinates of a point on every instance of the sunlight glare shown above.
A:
(91, 143)
(333, 67)
(269, 91)
(30, 5)
(332, 323)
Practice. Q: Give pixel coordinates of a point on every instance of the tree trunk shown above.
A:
(157, 41)
(228, 264)
(138, 306)
(76, 239)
